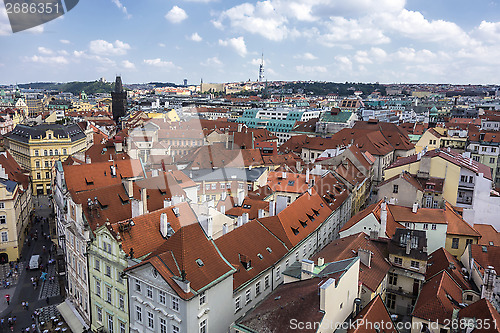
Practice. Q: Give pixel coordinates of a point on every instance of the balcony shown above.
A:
(466, 185)
(400, 291)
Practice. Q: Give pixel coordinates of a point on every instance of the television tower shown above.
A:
(261, 69)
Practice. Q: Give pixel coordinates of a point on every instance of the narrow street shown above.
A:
(40, 287)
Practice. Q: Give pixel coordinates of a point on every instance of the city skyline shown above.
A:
(362, 41)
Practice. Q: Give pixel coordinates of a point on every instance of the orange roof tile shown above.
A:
(440, 260)
(489, 235)
(483, 312)
(374, 312)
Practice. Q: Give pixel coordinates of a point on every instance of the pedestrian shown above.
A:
(27, 306)
(24, 305)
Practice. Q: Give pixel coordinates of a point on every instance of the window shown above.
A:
(37, 164)
(287, 262)
(266, 282)
(98, 287)
(123, 330)
(162, 297)
(492, 160)
(475, 158)
(38, 175)
(97, 265)
(398, 260)
(391, 301)
(2, 205)
(203, 298)
(149, 291)
(414, 264)
(483, 148)
(3, 219)
(137, 285)
(203, 326)
(110, 323)
(56, 152)
(121, 301)
(46, 163)
(108, 271)
(65, 151)
(138, 313)
(175, 329)
(237, 305)
(150, 320)
(257, 288)
(393, 278)
(36, 152)
(175, 303)
(163, 325)
(223, 186)
(207, 187)
(426, 226)
(248, 296)
(468, 241)
(99, 314)
(454, 243)
(395, 189)
(106, 247)
(214, 186)
(278, 275)
(45, 152)
(5, 236)
(47, 175)
(433, 226)
(108, 294)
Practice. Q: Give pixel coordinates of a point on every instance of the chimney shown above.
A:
(88, 160)
(240, 127)
(307, 176)
(365, 256)
(245, 218)
(113, 170)
(383, 220)
(223, 195)
(307, 267)
(129, 187)
(415, 208)
(488, 287)
(309, 190)
(206, 223)
(298, 166)
(272, 208)
(144, 200)
(154, 172)
(283, 175)
(408, 247)
(241, 197)
(164, 225)
(223, 209)
(321, 261)
(224, 229)
(203, 198)
(167, 203)
(136, 207)
(239, 221)
(261, 213)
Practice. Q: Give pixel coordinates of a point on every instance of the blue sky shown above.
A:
(388, 41)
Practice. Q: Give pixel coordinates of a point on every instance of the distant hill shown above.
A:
(75, 87)
(325, 88)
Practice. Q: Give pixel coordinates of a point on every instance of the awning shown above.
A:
(72, 317)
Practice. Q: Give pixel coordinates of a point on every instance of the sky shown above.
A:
(386, 41)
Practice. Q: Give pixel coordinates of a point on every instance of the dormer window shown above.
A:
(200, 262)
(295, 231)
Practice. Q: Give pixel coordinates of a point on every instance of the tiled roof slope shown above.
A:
(373, 312)
(296, 300)
(489, 235)
(347, 247)
(483, 312)
(440, 260)
(180, 253)
(438, 299)
(249, 244)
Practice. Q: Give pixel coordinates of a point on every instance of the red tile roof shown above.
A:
(440, 260)
(374, 312)
(486, 255)
(190, 251)
(248, 245)
(250, 206)
(298, 220)
(483, 312)
(489, 235)
(91, 176)
(347, 247)
(438, 298)
(296, 300)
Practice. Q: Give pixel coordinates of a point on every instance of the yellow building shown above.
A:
(36, 148)
(430, 139)
(15, 208)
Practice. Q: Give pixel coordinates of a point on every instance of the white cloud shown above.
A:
(237, 44)
(176, 15)
(344, 63)
(212, 62)
(5, 28)
(195, 37)
(44, 50)
(162, 45)
(102, 47)
(127, 64)
(340, 30)
(305, 56)
(157, 62)
(65, 41)
(311, 69)
(488, 31)
(56, 60)
(261, 18)
(122, 7)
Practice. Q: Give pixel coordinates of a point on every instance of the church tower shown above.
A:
(119, 100)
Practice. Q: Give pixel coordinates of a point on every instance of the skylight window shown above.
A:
(200, 262)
